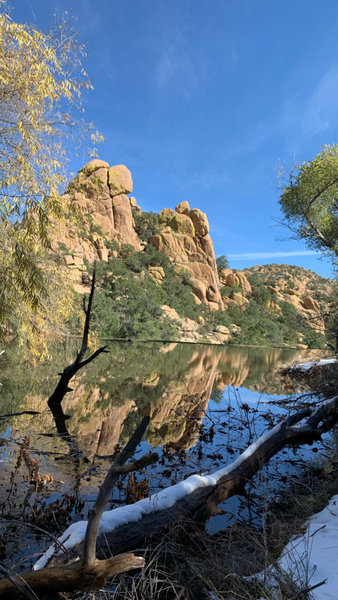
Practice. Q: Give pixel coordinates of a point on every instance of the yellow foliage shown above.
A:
(41, 80)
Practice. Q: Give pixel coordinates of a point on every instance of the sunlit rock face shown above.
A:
(186, 241)
(99, 195)
(99, 192)
(305, 290)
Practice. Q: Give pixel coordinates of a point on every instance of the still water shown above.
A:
(206, 404)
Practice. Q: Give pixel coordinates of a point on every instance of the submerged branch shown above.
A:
(68, 373)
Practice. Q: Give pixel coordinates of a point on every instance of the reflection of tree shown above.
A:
(60, 422)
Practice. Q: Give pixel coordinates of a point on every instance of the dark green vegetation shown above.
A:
(222, 262)
(291, 279)
(128, 300)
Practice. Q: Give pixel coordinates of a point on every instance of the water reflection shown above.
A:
(172, 385)
(185, 389)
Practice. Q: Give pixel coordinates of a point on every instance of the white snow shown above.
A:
(320, 363)
(112, 519)
(312, 557)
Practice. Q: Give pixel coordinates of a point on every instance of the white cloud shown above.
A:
(254, 255)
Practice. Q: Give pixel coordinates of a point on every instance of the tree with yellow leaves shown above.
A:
(41, 82)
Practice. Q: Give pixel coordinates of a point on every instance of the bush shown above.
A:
(222, 262)
(146, 225)
(128, 301)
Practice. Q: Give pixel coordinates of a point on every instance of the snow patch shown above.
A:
(310, 558)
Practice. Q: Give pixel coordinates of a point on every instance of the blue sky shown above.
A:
(204, 99)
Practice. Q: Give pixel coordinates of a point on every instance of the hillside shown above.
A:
(158, 278)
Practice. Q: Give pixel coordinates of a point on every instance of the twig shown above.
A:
(308, 589)
(18, 414)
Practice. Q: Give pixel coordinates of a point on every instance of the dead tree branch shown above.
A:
(69, 578)
(62, 387)
(89, 553)
(18, 414)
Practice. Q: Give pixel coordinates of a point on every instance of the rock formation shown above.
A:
(186, 241)
(104, 220)
(99, 194)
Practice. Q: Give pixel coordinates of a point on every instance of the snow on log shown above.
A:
(198, 496)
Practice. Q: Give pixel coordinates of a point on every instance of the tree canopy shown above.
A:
(310, 201)
(41, 81)
(222, 262)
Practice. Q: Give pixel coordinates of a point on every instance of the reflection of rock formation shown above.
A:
(177, 414)
(102, 432)
(101, 419)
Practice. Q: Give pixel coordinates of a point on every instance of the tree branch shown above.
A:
(62, 387)
(89, 552)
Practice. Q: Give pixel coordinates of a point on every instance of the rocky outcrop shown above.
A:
(297, 286)
(104, 220)
(311, 304)
(192, 331)
(99, 194)
(185, 240)
(236, 279)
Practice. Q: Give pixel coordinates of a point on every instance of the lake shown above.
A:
(206, 404)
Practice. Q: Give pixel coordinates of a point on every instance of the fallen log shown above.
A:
(125, 528)
(68, 578)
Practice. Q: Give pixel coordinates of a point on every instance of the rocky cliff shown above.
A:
(102, 212)
(100, 194)
(104, 219)
(185, 239)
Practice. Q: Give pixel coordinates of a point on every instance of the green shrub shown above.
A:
(146, 225)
